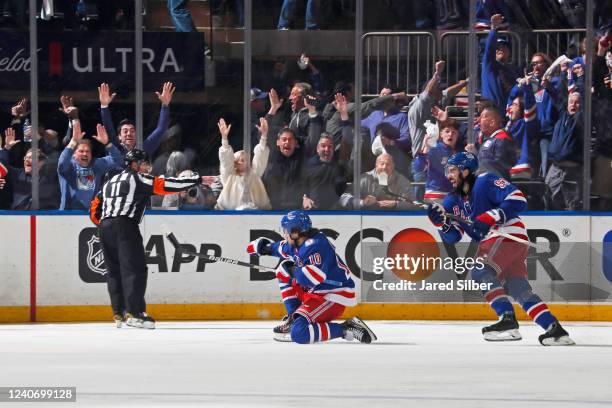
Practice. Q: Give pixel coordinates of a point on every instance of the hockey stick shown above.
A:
(424, 206)
(492, 233)
(177, 245)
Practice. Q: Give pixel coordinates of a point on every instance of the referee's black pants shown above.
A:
(126, 267)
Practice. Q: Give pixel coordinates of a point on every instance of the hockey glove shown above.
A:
(259, 247)
(481, 228)
(284, 271)
(485, 221)
(435, 212)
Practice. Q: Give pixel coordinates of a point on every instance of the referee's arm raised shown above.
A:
(168, 185)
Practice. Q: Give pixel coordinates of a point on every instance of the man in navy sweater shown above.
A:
(564, 178)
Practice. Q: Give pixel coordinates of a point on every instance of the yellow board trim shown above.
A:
(14, 314)
(266, 311)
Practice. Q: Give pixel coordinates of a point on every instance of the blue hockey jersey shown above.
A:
(497, 79)
(319, 269)
(548, 101)
(491, 200)
(437, 185)
(523, 130)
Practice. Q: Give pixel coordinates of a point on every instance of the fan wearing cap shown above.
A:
(386, 142)
(498, 74)
(392, 114)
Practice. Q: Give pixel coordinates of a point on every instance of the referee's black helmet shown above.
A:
(136, 155)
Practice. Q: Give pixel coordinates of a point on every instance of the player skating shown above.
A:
(493, 203)
(316, 286)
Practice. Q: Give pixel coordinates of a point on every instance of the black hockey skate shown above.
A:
(356, 329)
(119, 319)
(556, 336)
(282, 332)
(140, 321)
(506, 329)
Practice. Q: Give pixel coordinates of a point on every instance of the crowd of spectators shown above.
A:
(541, 137)
(529, 127)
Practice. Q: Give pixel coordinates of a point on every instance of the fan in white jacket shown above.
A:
(242, 185)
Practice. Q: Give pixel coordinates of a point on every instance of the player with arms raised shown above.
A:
(316, 285)
(493, 204)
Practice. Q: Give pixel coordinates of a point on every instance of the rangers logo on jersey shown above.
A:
(456, 210)
(501, 183)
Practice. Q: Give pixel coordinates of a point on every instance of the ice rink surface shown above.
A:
(237, 364)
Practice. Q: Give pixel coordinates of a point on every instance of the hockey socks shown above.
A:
(495, 295)
(532, 304)
(303, 332)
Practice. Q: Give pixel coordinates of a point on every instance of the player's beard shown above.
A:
(469, 180)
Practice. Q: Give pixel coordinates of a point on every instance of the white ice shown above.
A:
(237, 364)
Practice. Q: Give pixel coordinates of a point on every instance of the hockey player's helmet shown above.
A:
(136, 155)
(463, 160)
(296, 220)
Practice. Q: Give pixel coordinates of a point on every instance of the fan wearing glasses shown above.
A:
(549, 95)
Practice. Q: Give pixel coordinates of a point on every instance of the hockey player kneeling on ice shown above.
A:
(493, 205)
(315, 284)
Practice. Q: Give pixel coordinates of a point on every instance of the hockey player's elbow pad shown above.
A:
(259, 247)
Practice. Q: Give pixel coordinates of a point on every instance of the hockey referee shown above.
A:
(117, 210)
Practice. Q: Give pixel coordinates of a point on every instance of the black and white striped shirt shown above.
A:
(126, 194)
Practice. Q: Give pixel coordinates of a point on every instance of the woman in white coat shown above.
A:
(242, 185)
